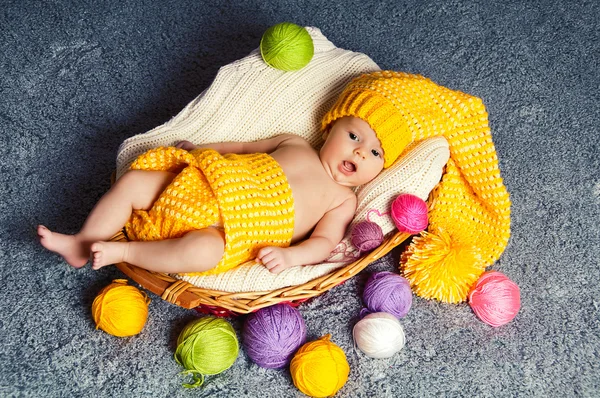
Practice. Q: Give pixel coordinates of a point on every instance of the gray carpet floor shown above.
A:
(77, 78)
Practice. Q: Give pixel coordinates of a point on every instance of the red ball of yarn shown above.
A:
(366, 236)
(409, 213)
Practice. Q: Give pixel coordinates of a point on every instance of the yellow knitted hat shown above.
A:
(372, 98)
(469, 210)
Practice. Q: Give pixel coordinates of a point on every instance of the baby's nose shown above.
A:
(359, 152)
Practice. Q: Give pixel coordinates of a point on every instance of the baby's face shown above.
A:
(352, 154)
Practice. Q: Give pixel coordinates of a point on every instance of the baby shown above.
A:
(209, 208)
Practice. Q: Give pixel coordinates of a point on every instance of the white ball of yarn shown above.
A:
(379, 335)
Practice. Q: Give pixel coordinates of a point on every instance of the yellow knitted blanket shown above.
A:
(248, 195)
(470, 209)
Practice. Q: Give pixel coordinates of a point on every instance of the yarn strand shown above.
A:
(196, 376)
(376, 212)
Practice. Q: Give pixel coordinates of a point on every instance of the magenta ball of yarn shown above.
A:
(495, 299)
(366, 236)
(388, 292)
(272, 335)
(409, 213)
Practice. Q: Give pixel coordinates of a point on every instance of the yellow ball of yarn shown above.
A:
(319, 368)
(120, 309)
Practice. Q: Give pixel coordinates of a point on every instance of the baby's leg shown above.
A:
(196, 251)
(135, 190)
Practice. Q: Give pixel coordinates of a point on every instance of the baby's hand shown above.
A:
(188, 146)
(276, 259)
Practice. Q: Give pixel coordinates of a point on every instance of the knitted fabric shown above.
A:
(248, 194)
(471, 205)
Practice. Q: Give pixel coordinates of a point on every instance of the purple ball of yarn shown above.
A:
(366, 236)
(388, 292)
(272, 335)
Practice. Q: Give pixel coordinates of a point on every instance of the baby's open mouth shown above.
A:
(349, 166)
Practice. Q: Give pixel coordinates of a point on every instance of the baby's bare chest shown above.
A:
(312, 199)
(314, 192)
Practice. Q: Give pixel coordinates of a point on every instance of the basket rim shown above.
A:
(187, 295)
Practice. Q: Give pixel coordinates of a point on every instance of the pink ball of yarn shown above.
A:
(495, 299)
(409, 213)
(388, 292)
(366, 236)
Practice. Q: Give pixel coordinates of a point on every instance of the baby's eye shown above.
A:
(375, 152)
(353, 136)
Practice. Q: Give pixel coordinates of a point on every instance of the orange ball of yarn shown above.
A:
(120, 309)
(320, 368)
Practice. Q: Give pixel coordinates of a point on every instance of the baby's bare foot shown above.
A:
(72, 250)
(106, 253)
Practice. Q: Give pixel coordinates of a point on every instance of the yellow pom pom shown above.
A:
(319, 368)
(440, 268)
(120, 309)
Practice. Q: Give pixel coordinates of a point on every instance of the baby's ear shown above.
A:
(325, 134)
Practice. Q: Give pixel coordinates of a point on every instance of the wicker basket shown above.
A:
(217, 302)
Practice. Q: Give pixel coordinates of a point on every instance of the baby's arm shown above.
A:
(262, 146)
(328, 232)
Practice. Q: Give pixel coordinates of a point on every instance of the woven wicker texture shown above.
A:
(184, 294)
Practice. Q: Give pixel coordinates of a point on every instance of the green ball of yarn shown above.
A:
(206, 346)
(287, 46)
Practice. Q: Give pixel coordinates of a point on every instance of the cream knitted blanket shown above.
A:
(248, 101)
